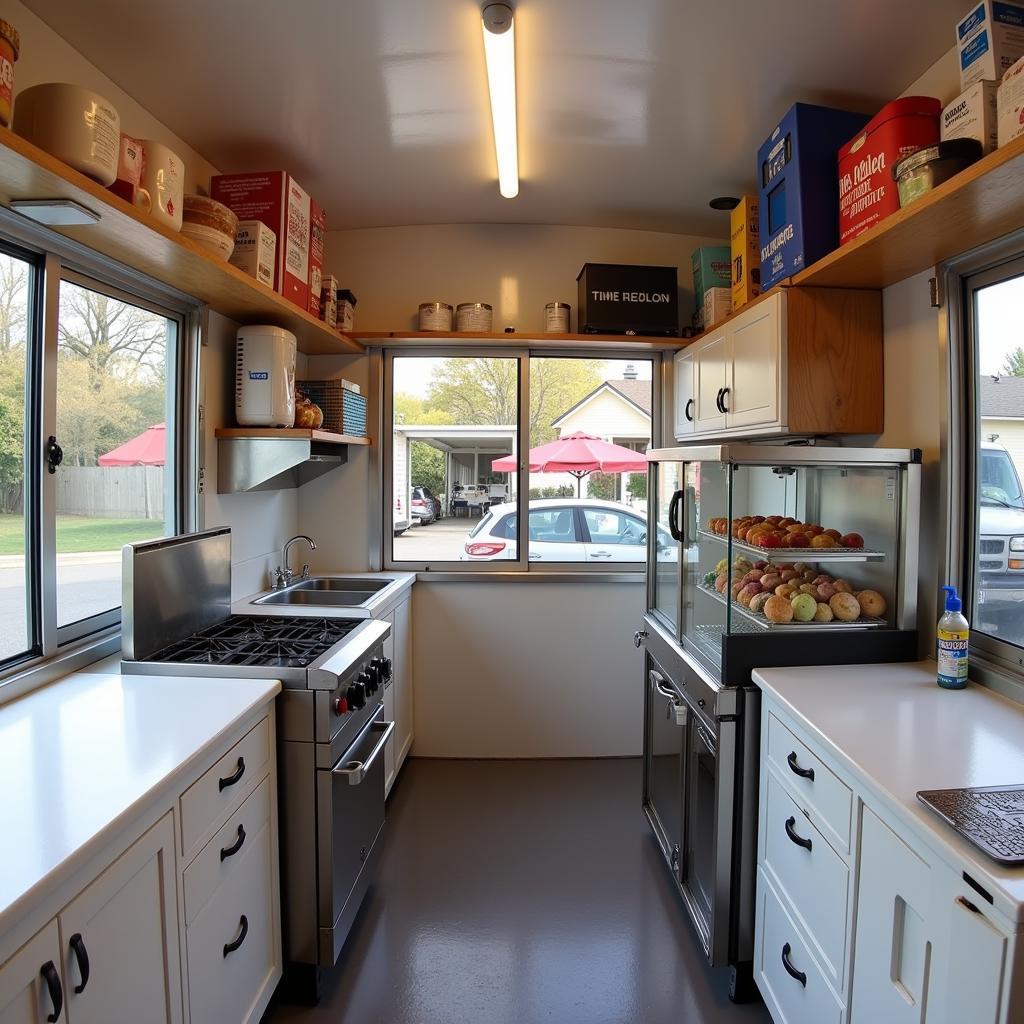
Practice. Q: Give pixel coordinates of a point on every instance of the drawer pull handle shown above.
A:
(243, 930)
(52, 979)
(804, 773)
(230, 851)
(688, 413)
(223, 784)
(77, 943)
(792, 833)
(790, 969)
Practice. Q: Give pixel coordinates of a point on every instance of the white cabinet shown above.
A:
(25, 997)
(710, 379)
(398, 706)
(755, 365)
(685, 395)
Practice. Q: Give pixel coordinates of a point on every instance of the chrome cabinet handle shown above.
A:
(356, 771)
(795, 836)
(639, 637)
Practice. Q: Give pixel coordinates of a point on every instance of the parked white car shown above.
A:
(563, 530)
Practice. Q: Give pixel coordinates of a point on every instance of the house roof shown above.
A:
(636, 392)
(1001, 397)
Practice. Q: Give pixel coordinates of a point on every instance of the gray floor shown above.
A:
(514, 892)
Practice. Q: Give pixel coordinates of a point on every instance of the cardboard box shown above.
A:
(255, 249)
(346, 315)
(746, 255)
(797, 199)
(1010, 104)
(712, 268)
(717, 306)
(989, 40)
(275, 198)
(317, 230)
(973, 115)
(867, 191)
(329, 301)
(616, 298)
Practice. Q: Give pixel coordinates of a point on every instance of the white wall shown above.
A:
(46, 57)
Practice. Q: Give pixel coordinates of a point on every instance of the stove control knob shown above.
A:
(356, 695)
(382, 666)
(341, 706)
(368, 679)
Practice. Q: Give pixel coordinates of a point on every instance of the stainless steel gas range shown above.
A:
(331, 732)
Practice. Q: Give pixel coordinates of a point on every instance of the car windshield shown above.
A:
(999, 483)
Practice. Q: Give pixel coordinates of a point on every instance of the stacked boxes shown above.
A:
(255, 248)
(989, 40)
(712, 268)
(798, 204)
(317, 230)
(717, 306)
(1011, 104)
(973, 115)
(746, 256)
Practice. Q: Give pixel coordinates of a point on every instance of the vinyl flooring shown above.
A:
(520, 892)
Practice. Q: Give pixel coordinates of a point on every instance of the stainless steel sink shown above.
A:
(328, 591)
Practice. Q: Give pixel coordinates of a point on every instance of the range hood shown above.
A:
(273, 463)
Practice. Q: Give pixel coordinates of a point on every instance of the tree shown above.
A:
(410, 409)
(603, 486)
(427, 466)
(1013, 364)
(13, 303)
(636, 486)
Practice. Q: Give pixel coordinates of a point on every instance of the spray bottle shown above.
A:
(953, 633)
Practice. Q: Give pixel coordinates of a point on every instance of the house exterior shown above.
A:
(1001, 402)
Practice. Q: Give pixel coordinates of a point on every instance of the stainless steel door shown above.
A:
(663, 762)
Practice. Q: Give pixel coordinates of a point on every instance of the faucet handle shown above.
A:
(282, 577)
(305, 571)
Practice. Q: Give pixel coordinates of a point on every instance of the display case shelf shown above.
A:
(800, 554)
(864, 622)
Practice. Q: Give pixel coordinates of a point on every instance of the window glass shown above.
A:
(454, 420)
(115, 384)
(16, 621)
(998, 552)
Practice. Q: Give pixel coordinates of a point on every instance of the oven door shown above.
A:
(350, 816)
(664, 736)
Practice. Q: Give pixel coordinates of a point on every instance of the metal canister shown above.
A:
(473, 316)
(556, 317)
(435, 316)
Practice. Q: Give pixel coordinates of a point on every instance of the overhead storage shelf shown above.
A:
(131, 237)
(524, 339)
(304, 433)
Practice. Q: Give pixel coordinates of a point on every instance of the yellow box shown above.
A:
(746, 254)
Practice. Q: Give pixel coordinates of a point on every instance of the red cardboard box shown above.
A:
(317, 229)
(867, 191)
(275, 198)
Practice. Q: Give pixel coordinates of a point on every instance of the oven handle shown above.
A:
(356, 771)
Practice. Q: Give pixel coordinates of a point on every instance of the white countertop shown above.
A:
(896, 731)
(80, 757)
(401, 582)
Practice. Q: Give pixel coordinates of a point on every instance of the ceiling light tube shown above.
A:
(500, 54)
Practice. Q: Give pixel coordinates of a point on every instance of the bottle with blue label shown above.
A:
(953, 637)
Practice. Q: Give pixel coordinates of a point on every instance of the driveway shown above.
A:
(442, 540)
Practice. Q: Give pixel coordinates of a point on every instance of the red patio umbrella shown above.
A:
(579, 455)
(148, 449)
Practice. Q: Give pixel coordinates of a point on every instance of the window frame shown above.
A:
(57, 259)
(995, 663)
(521, 567)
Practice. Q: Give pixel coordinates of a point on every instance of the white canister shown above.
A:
(73, 124)
(264, 376)
(435, 316)
(163, 177)
(473, 316)
(556, 317)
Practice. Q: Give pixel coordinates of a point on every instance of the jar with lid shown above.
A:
(556, 318)
(435, 316)
(473, 316)
(10, 44)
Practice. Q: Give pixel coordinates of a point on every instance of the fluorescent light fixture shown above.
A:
(500, 53)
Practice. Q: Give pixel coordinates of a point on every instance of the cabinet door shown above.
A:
(711, 377)
(25, 997)
(892, 952)
(685, 416)
(756, 353)
(403, 684)
(125, 926)
(389, 707)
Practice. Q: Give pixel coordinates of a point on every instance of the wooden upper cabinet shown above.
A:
(796, 361)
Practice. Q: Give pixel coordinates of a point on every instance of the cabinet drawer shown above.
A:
(216, 862)
(816, 881)
(224, 986)
(217, 793)
(789, 1001)
(814, 785)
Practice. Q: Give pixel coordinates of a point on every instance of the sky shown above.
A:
(1000, 323)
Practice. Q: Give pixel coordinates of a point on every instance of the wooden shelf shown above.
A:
(524, 339)
(131, 237)
(275, 433)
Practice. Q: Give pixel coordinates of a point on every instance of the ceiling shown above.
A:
(632, 113)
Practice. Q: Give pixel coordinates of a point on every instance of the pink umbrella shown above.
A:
(579, 455)
(148, 449)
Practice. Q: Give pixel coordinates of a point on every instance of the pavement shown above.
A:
(441, 540)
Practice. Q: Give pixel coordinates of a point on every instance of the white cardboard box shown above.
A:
(717, 306)
(989, 39)
(255, 248)
(1010, 103)
(973, 115)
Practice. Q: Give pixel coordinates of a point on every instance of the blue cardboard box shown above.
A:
(798, 188)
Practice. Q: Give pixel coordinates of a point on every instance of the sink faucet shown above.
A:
(283, 574)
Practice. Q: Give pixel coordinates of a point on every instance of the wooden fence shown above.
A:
(115, 492)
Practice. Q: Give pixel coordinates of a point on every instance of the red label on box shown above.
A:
(317, 229)
(867, 189)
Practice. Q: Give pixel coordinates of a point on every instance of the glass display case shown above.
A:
(784, 554)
